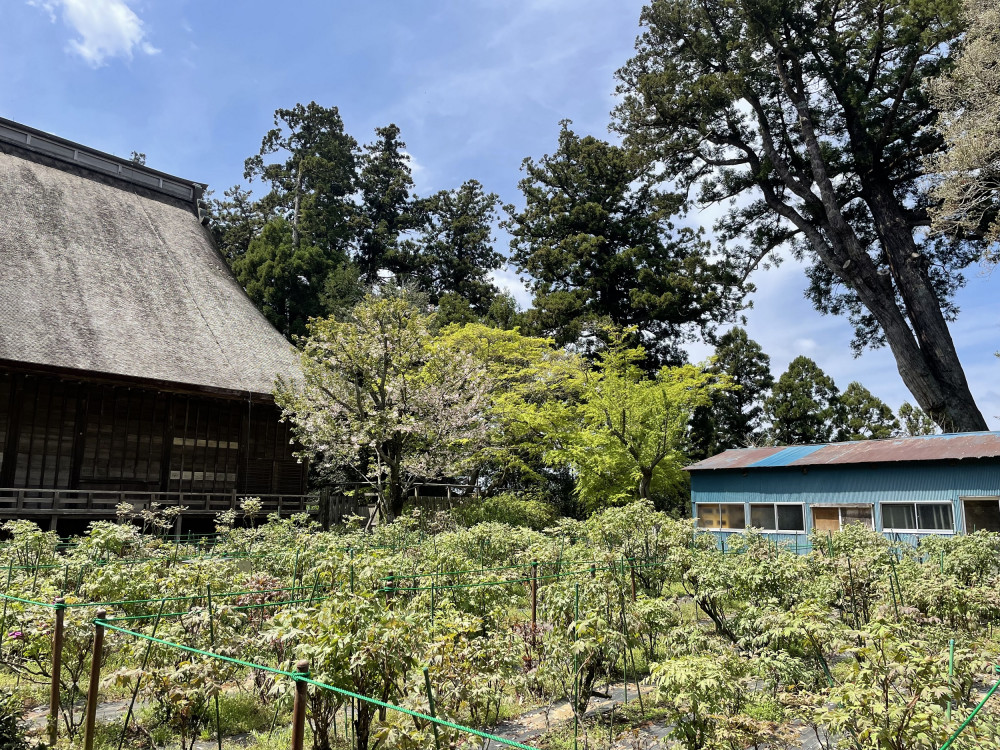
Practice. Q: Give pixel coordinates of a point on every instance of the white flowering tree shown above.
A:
(382, 393)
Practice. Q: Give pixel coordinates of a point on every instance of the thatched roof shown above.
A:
(110, 275)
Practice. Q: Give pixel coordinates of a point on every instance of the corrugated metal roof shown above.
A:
(950, 447)
(785, 456)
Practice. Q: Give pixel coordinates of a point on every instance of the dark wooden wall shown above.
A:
(59, 433)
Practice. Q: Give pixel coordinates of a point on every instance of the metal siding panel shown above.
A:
(860, 484)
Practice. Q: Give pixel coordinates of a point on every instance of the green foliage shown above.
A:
(385, 181)
(12, 729)
(734, 419)
(284, 279)
(311, 188)
(914, 421)
(767, 111)
(851, 637)
(804, 405)
(864, 416)
(508, 508)
(625, 440)
(599, 240)
(455, 245)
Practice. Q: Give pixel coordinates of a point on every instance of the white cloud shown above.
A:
(507, 280)
(107, 28)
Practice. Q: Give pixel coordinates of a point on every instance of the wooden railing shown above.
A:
(15, 502)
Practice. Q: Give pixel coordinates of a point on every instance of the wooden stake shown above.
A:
(57, 648)
(95, 681)
(299, 706)
(534, 600)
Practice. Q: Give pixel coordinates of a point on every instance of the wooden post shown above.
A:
(534, 600)
(95, 681)
(631, 567)
(325, 511)
(299, 706)
(593, 570)
(57, 648)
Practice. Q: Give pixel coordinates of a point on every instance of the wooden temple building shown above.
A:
(133, 367)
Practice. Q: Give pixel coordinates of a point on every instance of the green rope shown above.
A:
(315, 683)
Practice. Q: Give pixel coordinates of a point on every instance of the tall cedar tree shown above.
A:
(385, 181)
(864, 416)
(282, 279)
(311, 188)
(734, 418)
(597, 238)
(808, 122)
(455, 242)
(804, 405)
(236, 220)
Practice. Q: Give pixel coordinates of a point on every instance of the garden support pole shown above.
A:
(631, 567)
(299, 706)
(534, 600)
(951, 672)
(57, 647)
(95, 681)
(430, 705)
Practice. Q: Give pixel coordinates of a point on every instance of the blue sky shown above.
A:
(475, 86)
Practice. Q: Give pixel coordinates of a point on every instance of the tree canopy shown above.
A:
(382, 394)
(809, 124)
(601, 241)
(968, 96)
(804, 405)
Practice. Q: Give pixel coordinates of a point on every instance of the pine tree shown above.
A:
(864, 416)
(803, 407)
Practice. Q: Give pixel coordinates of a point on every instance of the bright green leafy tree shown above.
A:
(626, 436)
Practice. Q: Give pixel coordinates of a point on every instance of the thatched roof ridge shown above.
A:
(104, 276)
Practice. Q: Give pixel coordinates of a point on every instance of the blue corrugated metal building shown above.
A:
(905, 487)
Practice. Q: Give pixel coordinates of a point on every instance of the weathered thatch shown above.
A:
(100, 275)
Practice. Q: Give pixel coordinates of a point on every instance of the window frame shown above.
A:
(974, 498)
(916, 516)
(839, 507)
(776, 530)
(719, 528)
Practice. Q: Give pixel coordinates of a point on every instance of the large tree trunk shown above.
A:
(930, 367)
(918, 334)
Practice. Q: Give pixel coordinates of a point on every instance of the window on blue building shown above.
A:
(917, 517)
(777, 517)
(721, 516)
